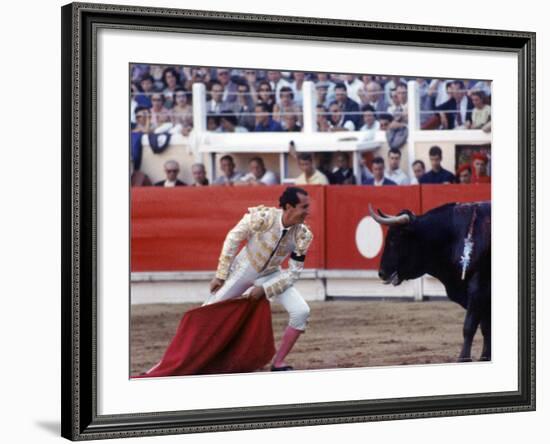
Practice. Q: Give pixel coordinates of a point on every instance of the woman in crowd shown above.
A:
(182, 113)
(265, 95)
(159, 113)
(287, 107)
(481, 114)
(170, 79)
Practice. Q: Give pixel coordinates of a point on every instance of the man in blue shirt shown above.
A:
(147, 84)
(264, 122)
(378, 178)
(437, 174)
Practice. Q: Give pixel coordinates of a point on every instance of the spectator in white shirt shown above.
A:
(394, 172)
(276, 82)
(297, 86)
(370, 124)
(323, 99)
(481, 114)
(229, 176)
(439, 91)
(258, 174)
(353, 86)
(337, 119)
(310, 175)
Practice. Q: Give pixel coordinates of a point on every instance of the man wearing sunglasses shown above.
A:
(171, 169)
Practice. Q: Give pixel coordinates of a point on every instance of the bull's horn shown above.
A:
(382, 219)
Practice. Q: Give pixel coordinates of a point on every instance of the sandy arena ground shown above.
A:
(341, 334)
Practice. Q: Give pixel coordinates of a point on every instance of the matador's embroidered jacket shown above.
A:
(268, 244)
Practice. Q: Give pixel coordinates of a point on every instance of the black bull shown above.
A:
(434, 244)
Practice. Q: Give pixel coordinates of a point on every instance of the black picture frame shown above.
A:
(80, 22)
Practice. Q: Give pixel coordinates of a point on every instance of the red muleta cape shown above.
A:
(233, 336)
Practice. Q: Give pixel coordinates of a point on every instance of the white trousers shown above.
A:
(242, 277)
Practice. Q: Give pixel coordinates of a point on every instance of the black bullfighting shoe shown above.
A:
(284, 368)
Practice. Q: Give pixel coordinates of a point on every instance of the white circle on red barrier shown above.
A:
(369, 237)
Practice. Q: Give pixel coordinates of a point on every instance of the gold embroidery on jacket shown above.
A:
(261, 227)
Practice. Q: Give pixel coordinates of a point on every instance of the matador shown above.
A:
(271, 235)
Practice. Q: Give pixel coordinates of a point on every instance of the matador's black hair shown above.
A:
(290, 196)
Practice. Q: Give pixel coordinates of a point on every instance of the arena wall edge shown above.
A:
(314, 285)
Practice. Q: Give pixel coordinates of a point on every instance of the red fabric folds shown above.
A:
(232, 336)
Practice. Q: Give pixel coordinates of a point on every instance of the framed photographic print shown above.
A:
(278, 221)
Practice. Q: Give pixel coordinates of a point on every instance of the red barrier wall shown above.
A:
(182, 229)
(346, 207)
(175, 229)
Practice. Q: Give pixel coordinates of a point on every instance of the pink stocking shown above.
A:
(289, 339)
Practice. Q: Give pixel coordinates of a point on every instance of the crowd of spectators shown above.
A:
(263, 100)
(373, 172)
(250, 100)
